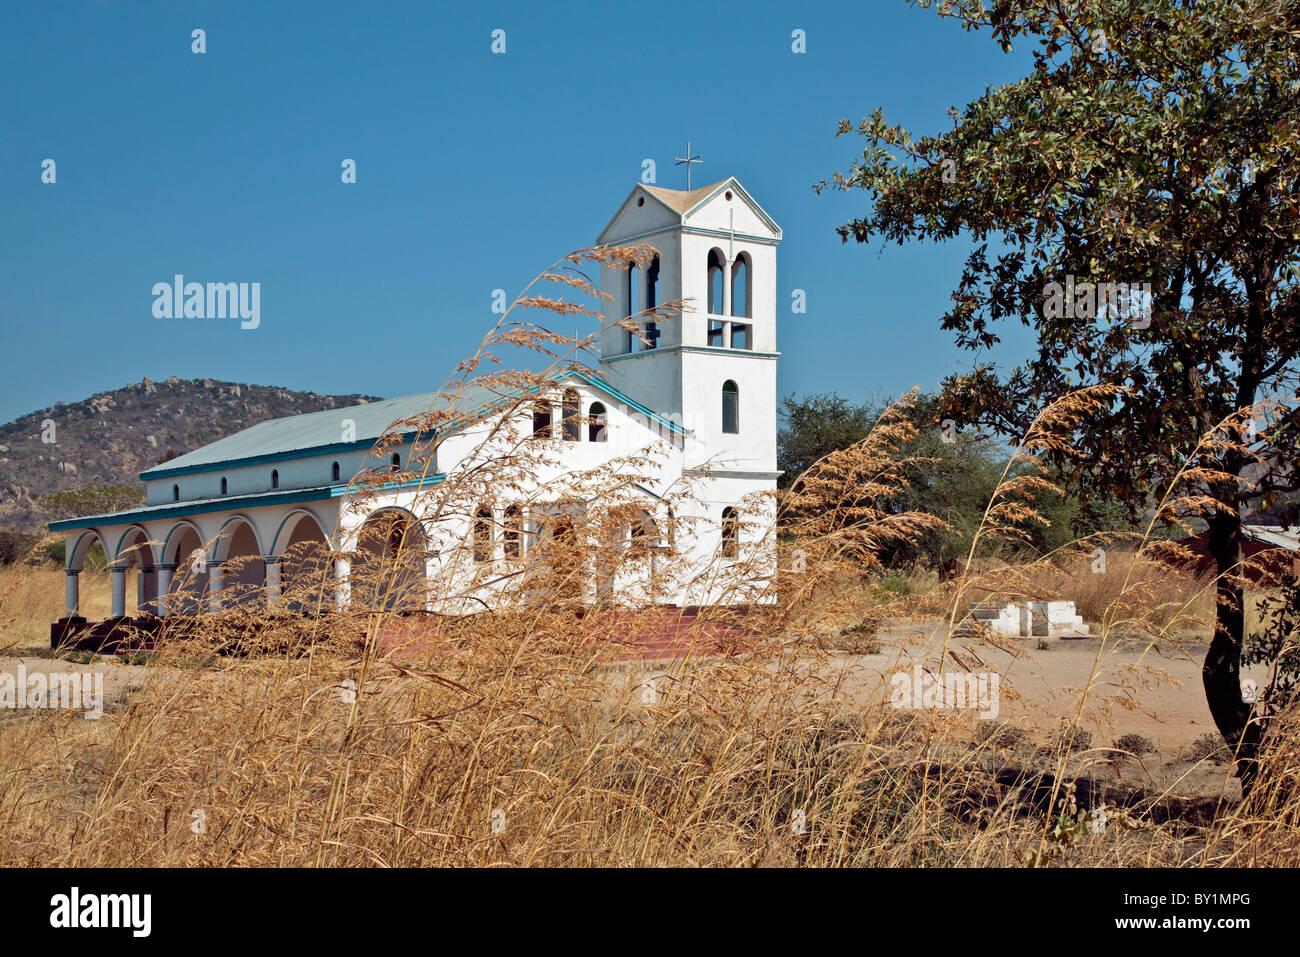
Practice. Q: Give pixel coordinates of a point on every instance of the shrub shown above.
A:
(1135, 744)
(1208, 747)
(1069, 737)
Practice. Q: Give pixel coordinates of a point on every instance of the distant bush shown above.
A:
(1068, 737)
(896, 585)
(91, 500)
(14, 546)
(1208, 747)
(1135, 744)
(1002, 736)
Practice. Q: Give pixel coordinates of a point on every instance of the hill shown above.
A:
(108, 439)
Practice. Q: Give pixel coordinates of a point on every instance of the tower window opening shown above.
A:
(740, 336)
(716, 277)
(741, 286)
(633, 290)
(652, 284)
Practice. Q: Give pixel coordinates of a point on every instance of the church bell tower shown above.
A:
(710, 364)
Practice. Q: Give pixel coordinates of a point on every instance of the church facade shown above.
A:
(698, 386)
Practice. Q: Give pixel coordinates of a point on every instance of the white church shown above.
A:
(699, 387)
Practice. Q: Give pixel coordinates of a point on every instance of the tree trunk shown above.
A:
(1222, 670)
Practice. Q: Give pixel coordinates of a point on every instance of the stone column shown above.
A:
(71, 590)
(214, 586)
(164, 588)
(342, 587)
(272, 583)
(118, 573)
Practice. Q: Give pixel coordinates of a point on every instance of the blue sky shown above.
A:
(474, 172)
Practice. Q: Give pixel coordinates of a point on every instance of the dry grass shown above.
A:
(512, 738)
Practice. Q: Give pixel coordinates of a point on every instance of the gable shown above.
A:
(726, 207)
(641, 212)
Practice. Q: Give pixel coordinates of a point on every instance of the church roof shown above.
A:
(682, 206)
(321, 433)
(681, 200)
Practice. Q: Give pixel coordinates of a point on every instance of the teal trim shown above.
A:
(207, 506)
(216, 542)
(72, 553)
(727, 234)
(118, 551)
(620, 397)
(275, 540)
(153, 474)
(707, 350)
(697, 231)
(174, 529)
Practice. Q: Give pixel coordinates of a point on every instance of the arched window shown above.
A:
(741, 284)
(596, 424)
(570, 414)
(644, 533)
(275, 478)
(542, 420)
(730, 532)
(513, 533)
(334, 472)
(397, 463)
(633, 290)
(223, 485)
(652, 284)
(716, 277)
(397, 527)
(176, 493)
(482, 533)
(730, 407)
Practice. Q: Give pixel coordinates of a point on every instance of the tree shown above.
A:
(950, 474)
(91, 500)
(815, 425)
(1134, 201)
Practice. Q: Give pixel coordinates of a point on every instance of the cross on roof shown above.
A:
(686, 161)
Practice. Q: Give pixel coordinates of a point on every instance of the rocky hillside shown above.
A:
(108, 439)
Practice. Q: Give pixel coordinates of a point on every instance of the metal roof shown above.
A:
(232, 503)
(1275, 535)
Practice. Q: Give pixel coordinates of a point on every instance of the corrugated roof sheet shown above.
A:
(1275, 535)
